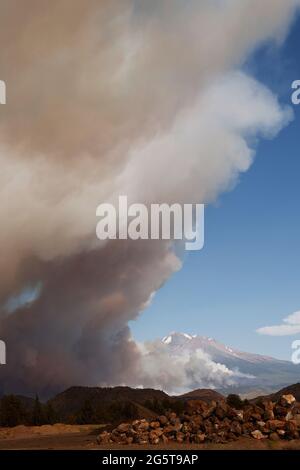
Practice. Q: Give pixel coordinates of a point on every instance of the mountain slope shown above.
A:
(74, 398)
(260, 372)
(204, 394)
(289, 390)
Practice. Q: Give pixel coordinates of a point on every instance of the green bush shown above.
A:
(235, 401)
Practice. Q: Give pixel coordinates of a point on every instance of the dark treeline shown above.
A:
(14, 412)
(161, 406)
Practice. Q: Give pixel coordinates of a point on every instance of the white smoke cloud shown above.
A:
(188, 370)
(289, 327)
(207, 145)
(109, 98)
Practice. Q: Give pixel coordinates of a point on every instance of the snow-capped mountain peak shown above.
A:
(209, 345)
(177, 339)
(267, 371)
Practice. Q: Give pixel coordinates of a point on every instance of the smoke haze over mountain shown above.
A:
(103, 99)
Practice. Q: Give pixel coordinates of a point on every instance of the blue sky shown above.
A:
(247, 275)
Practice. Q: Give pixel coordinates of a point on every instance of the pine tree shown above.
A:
(38, 416)
(12, 411)
(50, 414)
(86, 414)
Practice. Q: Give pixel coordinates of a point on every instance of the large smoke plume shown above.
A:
(135, 97)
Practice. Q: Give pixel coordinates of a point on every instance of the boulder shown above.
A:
(163, 420)
(257, 434)
(103, 438)
(287, 400)
(154, 424)
(275, 424)
(274, 436)
(124, 427)
(199, 438)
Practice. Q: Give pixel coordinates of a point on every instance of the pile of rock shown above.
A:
(215, 422)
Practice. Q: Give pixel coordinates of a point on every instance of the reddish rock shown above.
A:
(291, 429)
(180, 437)
(214, 422)
(274, 436)
(287, 400)
(210, 410)
(104, 438)
(124, 427)
(163, 420)
(236, 428)
(141, 425)
(154, 424)
(221, 410)
(153, 437)
(199, 438)
(275, 424)
(257, 434)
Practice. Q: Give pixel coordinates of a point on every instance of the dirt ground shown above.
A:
(58, 436)
(67, 437)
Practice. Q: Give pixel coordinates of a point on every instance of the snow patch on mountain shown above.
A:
(167, 339)
(180, 362)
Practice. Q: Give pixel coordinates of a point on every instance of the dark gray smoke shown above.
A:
(108, 98)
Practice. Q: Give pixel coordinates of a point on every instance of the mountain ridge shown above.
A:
(260, 372)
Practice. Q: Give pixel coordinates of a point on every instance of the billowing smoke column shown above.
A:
(106, 98)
